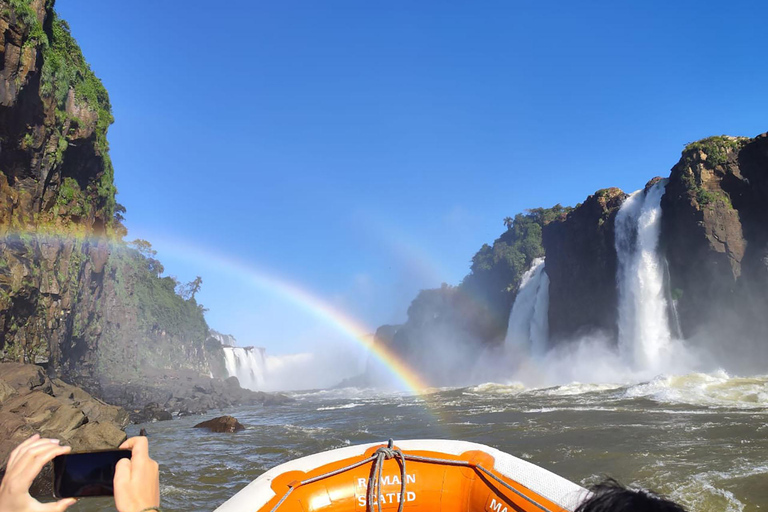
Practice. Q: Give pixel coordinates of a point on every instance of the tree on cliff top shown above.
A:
(497, 269)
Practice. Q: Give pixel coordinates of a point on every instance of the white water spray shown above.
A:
(528, 327)
(644, 334)
(247, 364)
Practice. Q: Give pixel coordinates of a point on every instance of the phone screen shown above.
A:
(76, 475)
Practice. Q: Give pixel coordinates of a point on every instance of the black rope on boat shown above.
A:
(382, 454)
(389, 452)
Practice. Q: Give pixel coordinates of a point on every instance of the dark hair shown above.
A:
(610, 496)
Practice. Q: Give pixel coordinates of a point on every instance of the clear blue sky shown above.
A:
(365, 150)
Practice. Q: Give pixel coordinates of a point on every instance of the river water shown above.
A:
(701, 439)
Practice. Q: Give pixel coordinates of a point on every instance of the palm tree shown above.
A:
(508, 222)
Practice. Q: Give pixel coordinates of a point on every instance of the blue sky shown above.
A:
(366, 150)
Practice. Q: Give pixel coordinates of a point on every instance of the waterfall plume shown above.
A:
(644, 332)
(528, 327)
(247, 364)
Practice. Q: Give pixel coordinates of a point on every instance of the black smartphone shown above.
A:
(76, 475)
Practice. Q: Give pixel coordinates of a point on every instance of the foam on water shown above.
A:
(344, 406)
(716, 389)
(495, 388)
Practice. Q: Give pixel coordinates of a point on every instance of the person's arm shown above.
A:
(137, 480)
(24, 464)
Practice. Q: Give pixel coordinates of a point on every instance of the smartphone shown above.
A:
(76, 475)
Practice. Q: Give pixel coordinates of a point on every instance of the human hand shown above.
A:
(24, 464)
(137, 480)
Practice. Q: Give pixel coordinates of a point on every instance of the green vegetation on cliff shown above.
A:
(717, 148)
(710, 153)
(497, 269)
(64, 70)
(164, 326)
(478, 309)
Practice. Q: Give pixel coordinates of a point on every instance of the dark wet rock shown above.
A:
(714, 236)
(182, 393)
(31, 403)
(581, 265)
(221, 424)
(150, 413)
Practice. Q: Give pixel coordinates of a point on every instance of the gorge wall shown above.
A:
(715, 238)
(74, 297)
(712, 249)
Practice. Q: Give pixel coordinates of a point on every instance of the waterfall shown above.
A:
(528, 327)
(644, 332)
(247, 364)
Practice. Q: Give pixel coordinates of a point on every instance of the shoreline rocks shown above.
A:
(32, 403)
(160, 397)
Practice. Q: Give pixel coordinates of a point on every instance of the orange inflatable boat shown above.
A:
(411, 476)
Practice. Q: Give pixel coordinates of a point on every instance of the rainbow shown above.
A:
(306, 300)
(317, 307)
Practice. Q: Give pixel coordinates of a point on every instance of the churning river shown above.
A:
(701, 439)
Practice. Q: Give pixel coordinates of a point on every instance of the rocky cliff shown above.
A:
(56, 190)
(713, 244)
(581, 265)
(715, 238)
(74, 297)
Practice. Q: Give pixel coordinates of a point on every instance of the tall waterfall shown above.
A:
(247, 364)
(644, 332)
(528, 327)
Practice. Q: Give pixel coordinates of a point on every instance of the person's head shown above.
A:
(610, 496)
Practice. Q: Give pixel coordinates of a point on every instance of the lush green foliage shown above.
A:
(65, 69)
(717, 148)
(23, 9)
(169, 328)
(502, 265)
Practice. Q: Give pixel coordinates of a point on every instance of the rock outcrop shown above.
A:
(32, 403)
(715, 238)
(581, 265)
(226, 424)
(160, 396)
(55, 177)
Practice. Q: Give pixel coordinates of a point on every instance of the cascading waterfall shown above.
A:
(644, 333)
(528, 327)
(247, 364)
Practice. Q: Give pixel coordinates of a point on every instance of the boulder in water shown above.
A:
(221, 424)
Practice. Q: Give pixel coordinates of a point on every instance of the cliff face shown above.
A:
(73, 296)
(715, 237)
(581, 265)
(55, 178)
